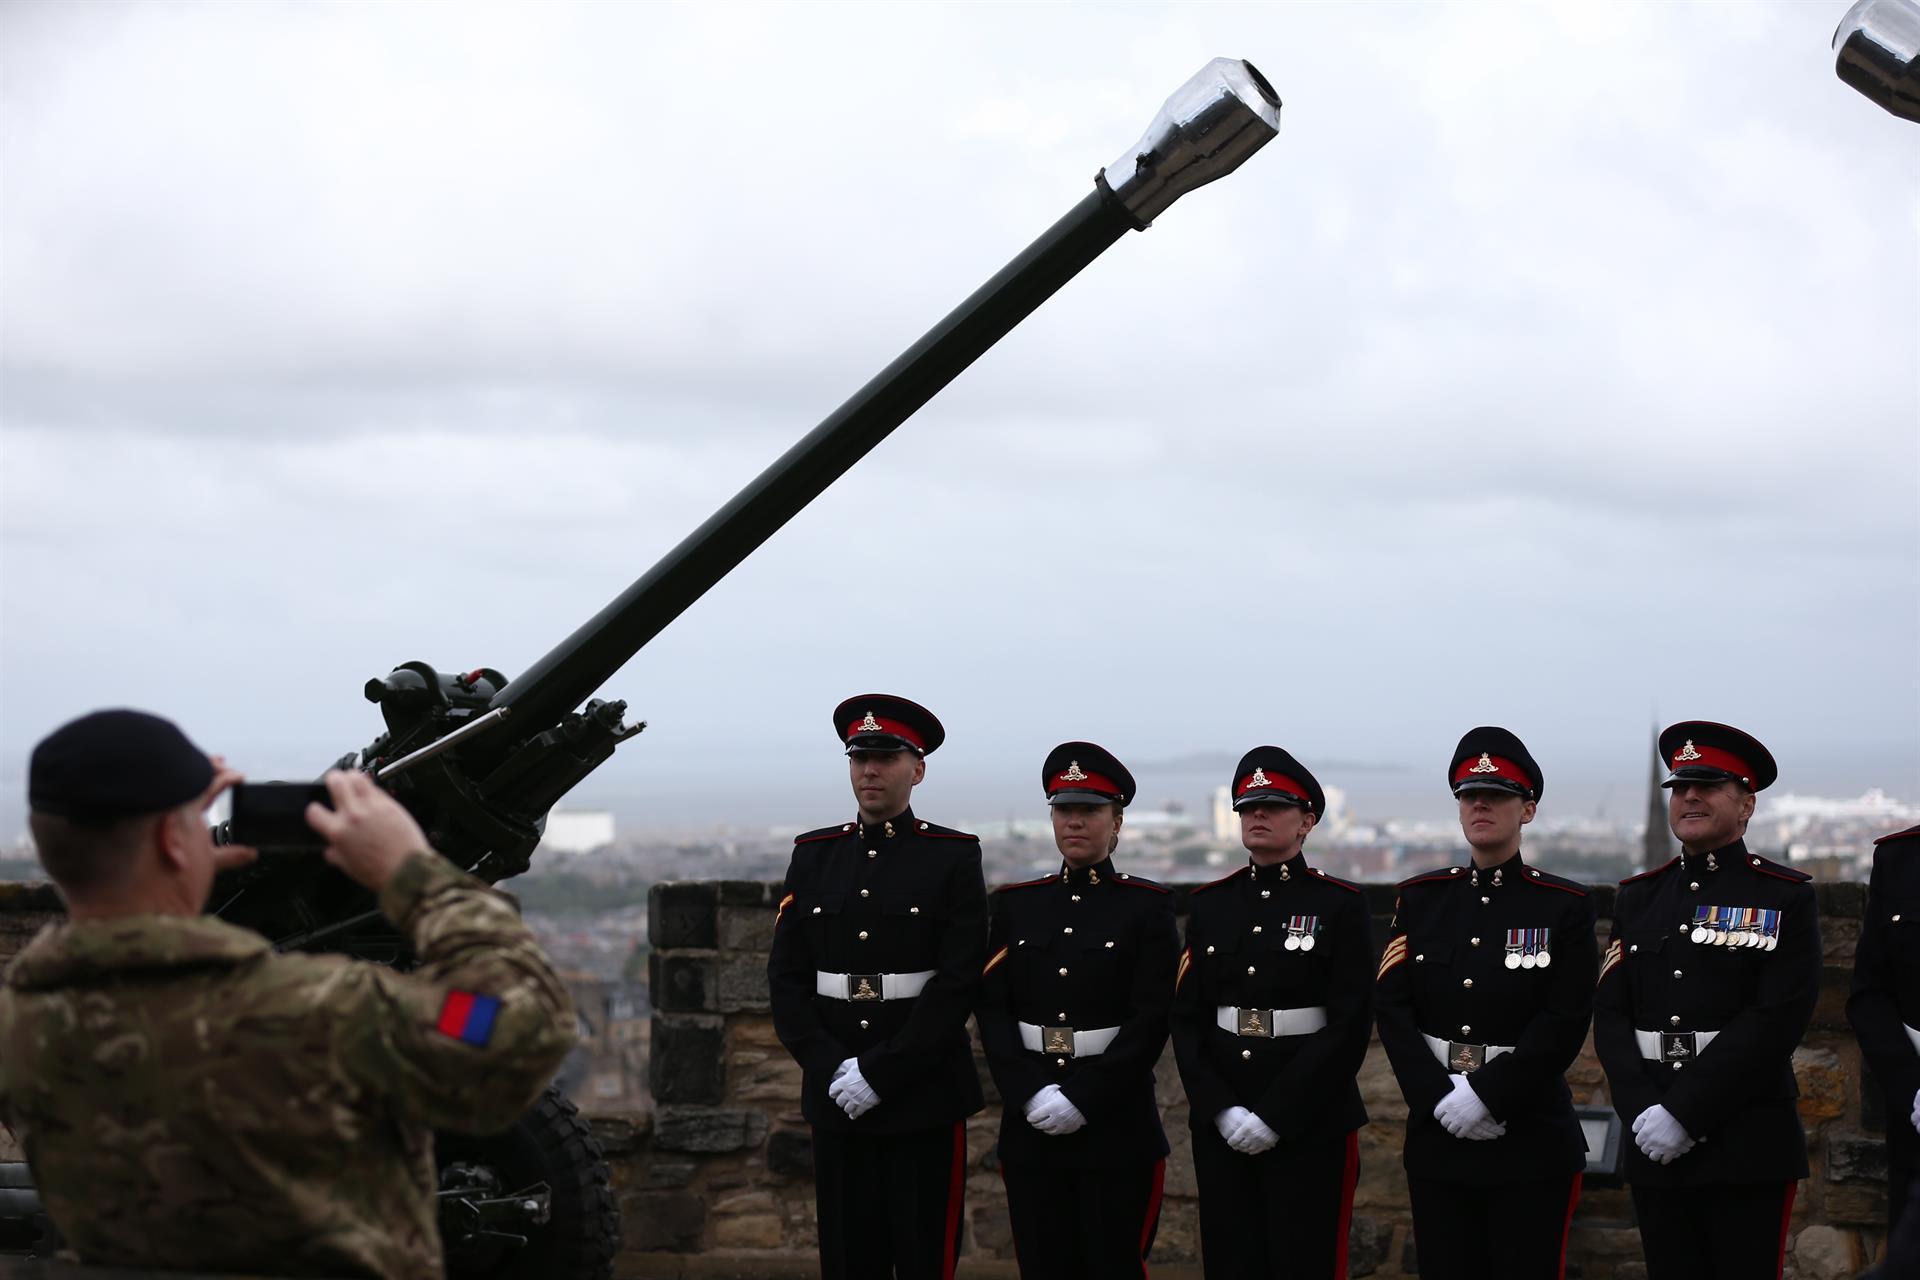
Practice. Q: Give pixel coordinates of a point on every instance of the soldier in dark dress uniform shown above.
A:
(1272, 1011)
(1073, 1016)
(1707, 987)
(1885, 1005)
(877, 951)
(1484, 995)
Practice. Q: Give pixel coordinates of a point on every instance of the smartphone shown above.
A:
(273, 815)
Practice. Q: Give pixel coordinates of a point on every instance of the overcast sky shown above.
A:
(1555, 367)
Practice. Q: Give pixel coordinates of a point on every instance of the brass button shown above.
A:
(1466, 1031)
(863, 935)
(1421, 958)
(1896, 917)
(1256, 928)
(1063, 1015)
(1676, 973)
(1695, 886)
(873, 853)
(1249, 968)
(816, 911)
(1266, 893)
(1245, 1054)
(1063, 971)
(1466, 982)
(1634, 947)
(913, 911)
(1474, 941)
(1068, 929)
(1678, 1065)
(1209, 950)
(1675, 1019)
(1485, 901)
(864, 1024)
(866, 893)
(1076, 897)
(1109, 946)
(1059, 1062)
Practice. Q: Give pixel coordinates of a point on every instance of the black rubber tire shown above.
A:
(549, 1144)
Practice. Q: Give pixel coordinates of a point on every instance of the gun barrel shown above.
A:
(1206, 130)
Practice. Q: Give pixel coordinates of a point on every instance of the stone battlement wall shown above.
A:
(722, 1166)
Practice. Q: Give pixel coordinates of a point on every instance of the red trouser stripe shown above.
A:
(1566, 1228)
(1348, 1177)
(1153, 1211)
(1786, 1212)
(951, 1253)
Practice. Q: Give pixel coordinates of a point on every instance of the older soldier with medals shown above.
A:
(876, 957)
(1273, 1008)
(1073, 1016)
(1885, 1005)
(1483, 998)
(1708, 986)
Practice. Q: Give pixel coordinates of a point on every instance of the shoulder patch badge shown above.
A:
(468, 1017)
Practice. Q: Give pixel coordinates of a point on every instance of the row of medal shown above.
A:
(1736, 927)
(1300, 931)
(1527, 948)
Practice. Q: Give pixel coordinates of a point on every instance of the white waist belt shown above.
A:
(1054, 1040)
(1913, 1036)
(870, 986)
(1673, 1046)
(1443, 1049)
(1270, 1022)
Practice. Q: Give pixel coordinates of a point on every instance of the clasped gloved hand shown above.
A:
(1053, 1113)
(1662, 1138)
(1916, 1112)
(850, 1090)
(1244, 1131)
(1462, 1114)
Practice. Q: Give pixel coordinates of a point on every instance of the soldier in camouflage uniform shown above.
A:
(189, 1099)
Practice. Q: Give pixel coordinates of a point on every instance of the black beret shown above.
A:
(882, 722)
(1269, 775)
(1702, 751)
(1082, 773)
(115, 764)
(1494, 759)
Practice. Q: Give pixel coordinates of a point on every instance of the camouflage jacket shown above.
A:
(188, 1098)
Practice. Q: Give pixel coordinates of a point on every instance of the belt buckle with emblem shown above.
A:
(1678, 1046)
(1057, 1041)
(1466, 1057)
(863, 986)
(1256, 1022)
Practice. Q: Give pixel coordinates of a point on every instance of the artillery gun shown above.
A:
(480, 759)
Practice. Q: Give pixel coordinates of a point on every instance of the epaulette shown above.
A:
(1431, 877)
(1779, 871)
(1214, 884)
(1548, 880)
(824, 833)
(1900, 835)
(1334, 880)
(1053, 878)
(935, 831)
(1137, 882)
(1669, 863)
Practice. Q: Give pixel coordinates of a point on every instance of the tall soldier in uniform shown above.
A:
(1707, 987)
(876, 957)
(1073, 1016)
(1885, 1005)
(1272, 1011)
(1484, 995)
(190, 1100)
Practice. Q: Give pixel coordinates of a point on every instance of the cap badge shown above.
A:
(1486, 764)
(869, 725)
(1259, 778)
(1073, 773)
(1686, 752)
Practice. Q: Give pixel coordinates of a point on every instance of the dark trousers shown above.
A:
(1901, 1141)
(1284, 1212)
(889, 1203)
(1734, 1231)
(1083, 1224)
(1471, 1233)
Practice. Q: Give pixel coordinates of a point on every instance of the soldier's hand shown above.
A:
(850, 1090)
(1253, 1137)
(1660, 1136)
(225, 856)
(1228, 1122)
(368, 833)
(1916, 1112)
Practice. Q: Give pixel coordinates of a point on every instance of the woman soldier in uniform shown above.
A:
(1272, 1012)
(1484, 995)
(1073, 1016)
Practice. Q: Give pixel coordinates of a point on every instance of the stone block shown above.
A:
(662, 1220)
(762, 1075)
(683, 914)
(747, 893)
(682, 982)
(743, 984)
(686, 1062)
(1180, 1177)
(1853, 1157)
(1840, 900)
(663, 1174)
(790, 1153)
(746, 929)
(1823, 1085)
(992, 1231)
(1858, 1204)
(708, 1129)
(1368, 1240)
(1823, 1253)
(617, 1135)
(748, 1231)
(1177, 1239)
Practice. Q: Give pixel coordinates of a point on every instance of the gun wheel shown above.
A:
(551, 1147)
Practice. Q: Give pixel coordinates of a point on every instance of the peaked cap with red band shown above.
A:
(1702, 751)
(1082, 773)
(1494, 759)
(882, 722)
(1268, 775)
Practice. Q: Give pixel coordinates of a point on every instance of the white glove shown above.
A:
(1463, 1115)
(1253, 1136)
(1916, 1112)
(1660, 1136)
(1053, 1113)
(850, 1090)
(1228, 1122)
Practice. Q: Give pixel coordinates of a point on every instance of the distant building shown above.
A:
(1657, 843)
(574, 831)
